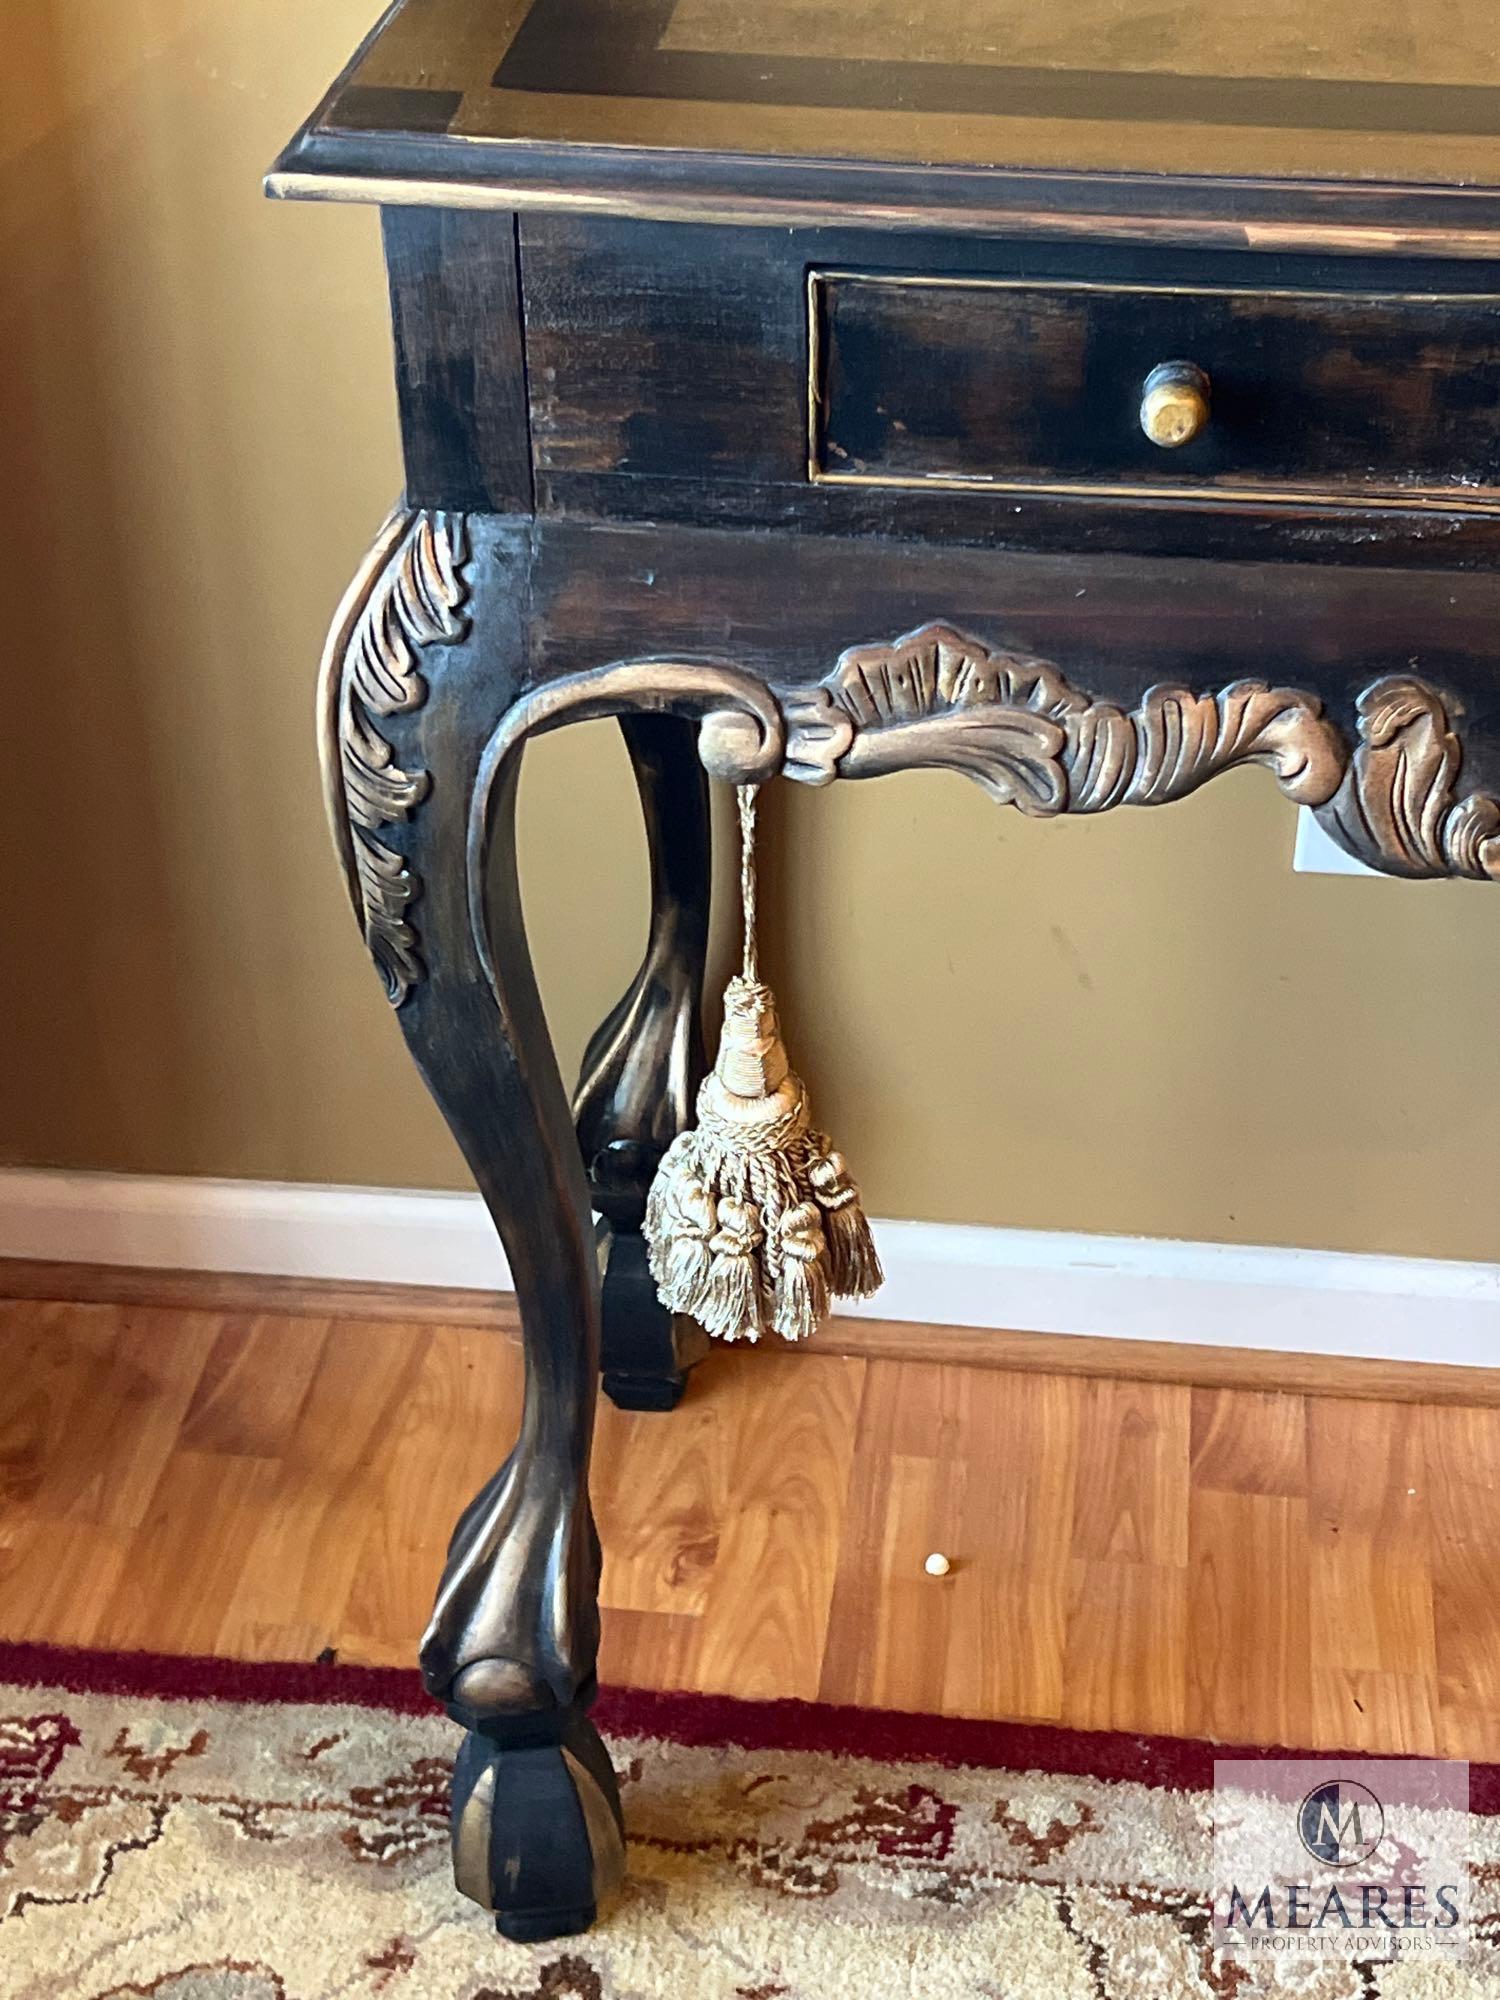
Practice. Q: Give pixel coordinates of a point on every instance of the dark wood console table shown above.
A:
(824, 395)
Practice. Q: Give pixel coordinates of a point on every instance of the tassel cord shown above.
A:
(745, 798)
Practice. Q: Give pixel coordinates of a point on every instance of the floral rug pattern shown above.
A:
(199, 1848)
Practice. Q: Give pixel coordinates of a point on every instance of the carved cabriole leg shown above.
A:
(642, 1068)
(422, 793)
(513, 1638)
(514, 1633)
(537, 1824)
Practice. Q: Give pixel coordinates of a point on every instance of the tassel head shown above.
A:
(752, 1060)
(751, 1097)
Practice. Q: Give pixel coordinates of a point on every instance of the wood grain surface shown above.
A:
(1350, 392)
(1015, 1349)
(1242, 1563)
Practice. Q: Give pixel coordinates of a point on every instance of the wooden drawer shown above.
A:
(1341, 398)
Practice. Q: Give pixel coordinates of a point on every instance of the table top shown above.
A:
(1357, 92)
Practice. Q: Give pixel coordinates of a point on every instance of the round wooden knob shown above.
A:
(1174, 404)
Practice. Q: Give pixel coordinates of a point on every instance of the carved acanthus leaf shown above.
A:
(416, 602)
(1183, 739)
(1396, 808)
(1029, 737)
(411, 595)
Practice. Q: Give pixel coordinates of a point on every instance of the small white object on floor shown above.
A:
(937, 1564)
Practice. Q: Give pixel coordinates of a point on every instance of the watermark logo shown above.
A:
(1359, 1859)
(1341, 1824)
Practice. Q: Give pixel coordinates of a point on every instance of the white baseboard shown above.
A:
(1044, 1281)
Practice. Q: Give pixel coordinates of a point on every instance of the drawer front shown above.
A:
(1349, 399)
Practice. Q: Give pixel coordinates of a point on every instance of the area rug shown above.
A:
(196, 1830)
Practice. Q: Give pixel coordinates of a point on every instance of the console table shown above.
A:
(1077, 404)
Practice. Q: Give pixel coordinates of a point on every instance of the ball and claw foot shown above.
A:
(538, 1836)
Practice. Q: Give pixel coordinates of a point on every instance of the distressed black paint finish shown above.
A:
(514, 1634)
(1382, 397)
(1355, 402)
(648, 1350)
(460, 366)
(642, 1068)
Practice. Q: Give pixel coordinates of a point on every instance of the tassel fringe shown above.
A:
(854, 1267)
(803, 1281)
(731, 1302)
(746, 1242)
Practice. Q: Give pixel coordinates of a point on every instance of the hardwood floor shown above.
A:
(1135, 1555)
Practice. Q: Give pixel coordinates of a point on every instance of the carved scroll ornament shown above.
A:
(1022, 731)
(409, 594)
(1398, 807)
(1018, 727)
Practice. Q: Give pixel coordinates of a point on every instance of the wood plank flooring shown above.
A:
(1139, 1555)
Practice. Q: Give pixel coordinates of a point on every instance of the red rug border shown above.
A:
(1176, 1763)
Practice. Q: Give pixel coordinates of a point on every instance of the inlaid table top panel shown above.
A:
(1347, 91)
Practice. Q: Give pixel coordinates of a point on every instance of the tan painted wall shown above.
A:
(1141, 1024)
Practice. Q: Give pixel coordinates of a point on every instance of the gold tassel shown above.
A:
(753, 1220)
